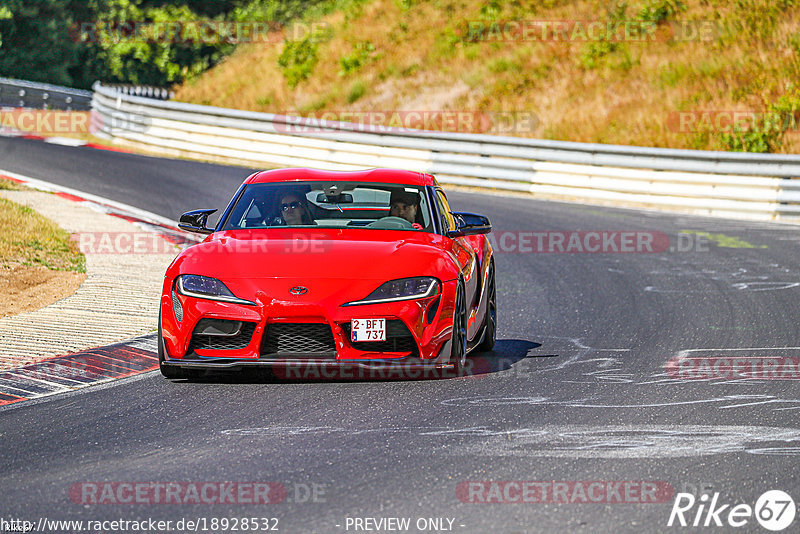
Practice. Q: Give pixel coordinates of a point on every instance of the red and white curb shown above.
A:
(79, 370)
(97, 365)
(145, 220)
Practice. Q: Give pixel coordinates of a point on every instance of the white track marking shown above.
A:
(125, 208)
(65, 141)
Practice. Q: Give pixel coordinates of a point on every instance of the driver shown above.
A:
(404, 205)
(294, 209)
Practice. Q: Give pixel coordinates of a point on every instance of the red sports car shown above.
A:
(330, 269)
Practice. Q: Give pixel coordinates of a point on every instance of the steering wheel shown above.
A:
(391, 223)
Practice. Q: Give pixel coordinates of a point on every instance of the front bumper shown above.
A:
(211, 364)
(408, 369)
(428, 321)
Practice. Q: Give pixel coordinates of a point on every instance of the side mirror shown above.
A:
(195, 221)
(470, 224)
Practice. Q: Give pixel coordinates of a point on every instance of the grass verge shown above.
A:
(34, 240)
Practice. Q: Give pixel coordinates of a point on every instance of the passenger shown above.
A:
(406, 206)
(294, 209)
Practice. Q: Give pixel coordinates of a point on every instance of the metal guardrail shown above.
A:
(147, 91)
(24, 94)
(713, 183)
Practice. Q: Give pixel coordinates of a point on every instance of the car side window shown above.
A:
(448, 223)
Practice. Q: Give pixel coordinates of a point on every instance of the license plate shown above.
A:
(368, 330)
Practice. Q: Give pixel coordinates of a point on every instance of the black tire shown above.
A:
(490, 323)
(458, 345)
(168, 371)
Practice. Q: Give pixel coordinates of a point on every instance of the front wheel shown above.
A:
(490, 322)
(458, 341)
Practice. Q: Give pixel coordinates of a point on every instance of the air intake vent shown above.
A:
(240, 339)
(300, 340)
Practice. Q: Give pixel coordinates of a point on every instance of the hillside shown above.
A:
(663, 73)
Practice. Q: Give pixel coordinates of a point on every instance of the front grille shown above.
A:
(398, 339)
(205, 342)
(307, 340)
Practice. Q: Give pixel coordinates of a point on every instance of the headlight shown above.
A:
(402, 289)
(204, 287)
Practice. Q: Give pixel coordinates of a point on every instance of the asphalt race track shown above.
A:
(585, 386)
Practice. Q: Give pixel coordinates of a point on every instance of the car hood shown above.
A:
(307, 254)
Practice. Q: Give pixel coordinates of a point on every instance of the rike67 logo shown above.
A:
(774, 510)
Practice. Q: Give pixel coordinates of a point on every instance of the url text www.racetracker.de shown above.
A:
(223, 524)
(143, 526)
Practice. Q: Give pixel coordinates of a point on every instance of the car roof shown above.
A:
(388, 176)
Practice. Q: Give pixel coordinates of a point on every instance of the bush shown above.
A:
(592, 53)
(356, 91)
(362, 53)
(760, 138)
(661, 10)
(491, 10)
(767, 133)
(596, 53)
(298, 59)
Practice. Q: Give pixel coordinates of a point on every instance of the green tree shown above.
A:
(75, 42)
(35, 40)
(151, 45)
(5, 14)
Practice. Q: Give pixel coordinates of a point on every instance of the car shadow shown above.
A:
(506, 353)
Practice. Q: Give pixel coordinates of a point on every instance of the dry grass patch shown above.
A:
(29, 239)
(384, 55)
(38, 263)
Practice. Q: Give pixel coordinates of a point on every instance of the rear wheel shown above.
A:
(167, 371)
(458, 341)
(490, 323)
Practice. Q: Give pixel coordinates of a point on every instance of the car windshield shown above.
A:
(375, 206)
